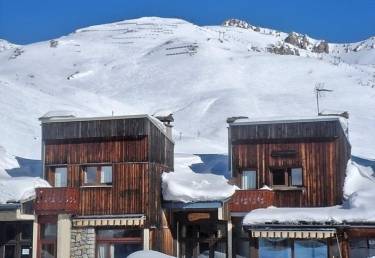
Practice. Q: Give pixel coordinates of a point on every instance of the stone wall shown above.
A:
(82, 243)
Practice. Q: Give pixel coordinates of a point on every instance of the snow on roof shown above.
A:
(359, 206)
(15, 189)
(184, 185)
(68, 116)
(275, 120)
(281, 119)
(58, 114)
(149, 254)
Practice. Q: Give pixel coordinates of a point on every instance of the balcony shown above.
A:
(247, 200)
(56, 200)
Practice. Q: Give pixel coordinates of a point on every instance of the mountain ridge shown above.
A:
(201, 74)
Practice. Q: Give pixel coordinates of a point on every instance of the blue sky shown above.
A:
(26, 21)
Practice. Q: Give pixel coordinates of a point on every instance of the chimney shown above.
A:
(167, 120)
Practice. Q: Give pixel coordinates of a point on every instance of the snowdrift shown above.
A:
(184, 185)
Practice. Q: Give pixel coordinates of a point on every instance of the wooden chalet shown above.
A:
(105, 200)
(288, 163)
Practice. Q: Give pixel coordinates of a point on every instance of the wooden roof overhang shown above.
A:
(311, 233)
(193, 205)
(131, 220)
(322, 129)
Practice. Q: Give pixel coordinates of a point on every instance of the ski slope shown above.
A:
(200, 74)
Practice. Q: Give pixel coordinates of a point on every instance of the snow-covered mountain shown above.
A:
(200, 74)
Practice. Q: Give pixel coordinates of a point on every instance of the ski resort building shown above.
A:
(294, 165)
(114, 192)
(105, 200)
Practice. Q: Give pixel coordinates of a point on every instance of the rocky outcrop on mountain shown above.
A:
(238, 23)
(321, 47)
(283, 49)
(297, 40)
(4, 45)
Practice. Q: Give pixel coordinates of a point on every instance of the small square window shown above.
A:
(278, 177)
(296, 174)
(106, 175)
(90, 175)
(61, 176)
(48, 231)
(97, 175)
(249, 179)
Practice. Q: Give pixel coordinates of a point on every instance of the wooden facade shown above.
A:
(137, 150)
(319, 147)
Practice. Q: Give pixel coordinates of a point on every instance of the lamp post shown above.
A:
(319, 88)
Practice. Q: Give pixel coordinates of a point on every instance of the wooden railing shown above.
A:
(57, 200)
(247, 200)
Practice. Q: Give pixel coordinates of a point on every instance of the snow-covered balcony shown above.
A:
(57, 200)
(247, 200)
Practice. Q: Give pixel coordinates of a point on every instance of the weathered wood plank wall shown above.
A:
(323, 170)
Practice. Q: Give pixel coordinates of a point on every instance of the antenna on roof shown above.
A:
(319, 90)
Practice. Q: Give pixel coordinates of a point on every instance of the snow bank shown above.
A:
(6, 162)
(149, 254)
(359, 189)
(19, 188)
(184, 185)
(177, 67)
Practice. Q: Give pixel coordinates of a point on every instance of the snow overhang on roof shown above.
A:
(287, 128)
(283, 120)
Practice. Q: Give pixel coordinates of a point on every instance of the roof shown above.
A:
(72, 119)
(10, 206)
(193, 205)
(245, 129)
(283, 120)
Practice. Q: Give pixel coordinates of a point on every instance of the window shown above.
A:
(296, 174)
(288, 248)
(61, 175)
(275, 247)
(362, 247)
(48, 237)
(249, 179)
(97, 175)
(310, 248)
(118, 243)
(278, 177)
(287, 177)
(106, 175)
(26, 231)
(16, 236)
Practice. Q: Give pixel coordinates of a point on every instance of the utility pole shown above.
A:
(319, 89)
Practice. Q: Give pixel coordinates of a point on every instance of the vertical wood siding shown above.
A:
(89, 151)
(323, 166)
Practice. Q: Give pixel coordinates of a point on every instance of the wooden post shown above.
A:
(343, 244)
(254, 247)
